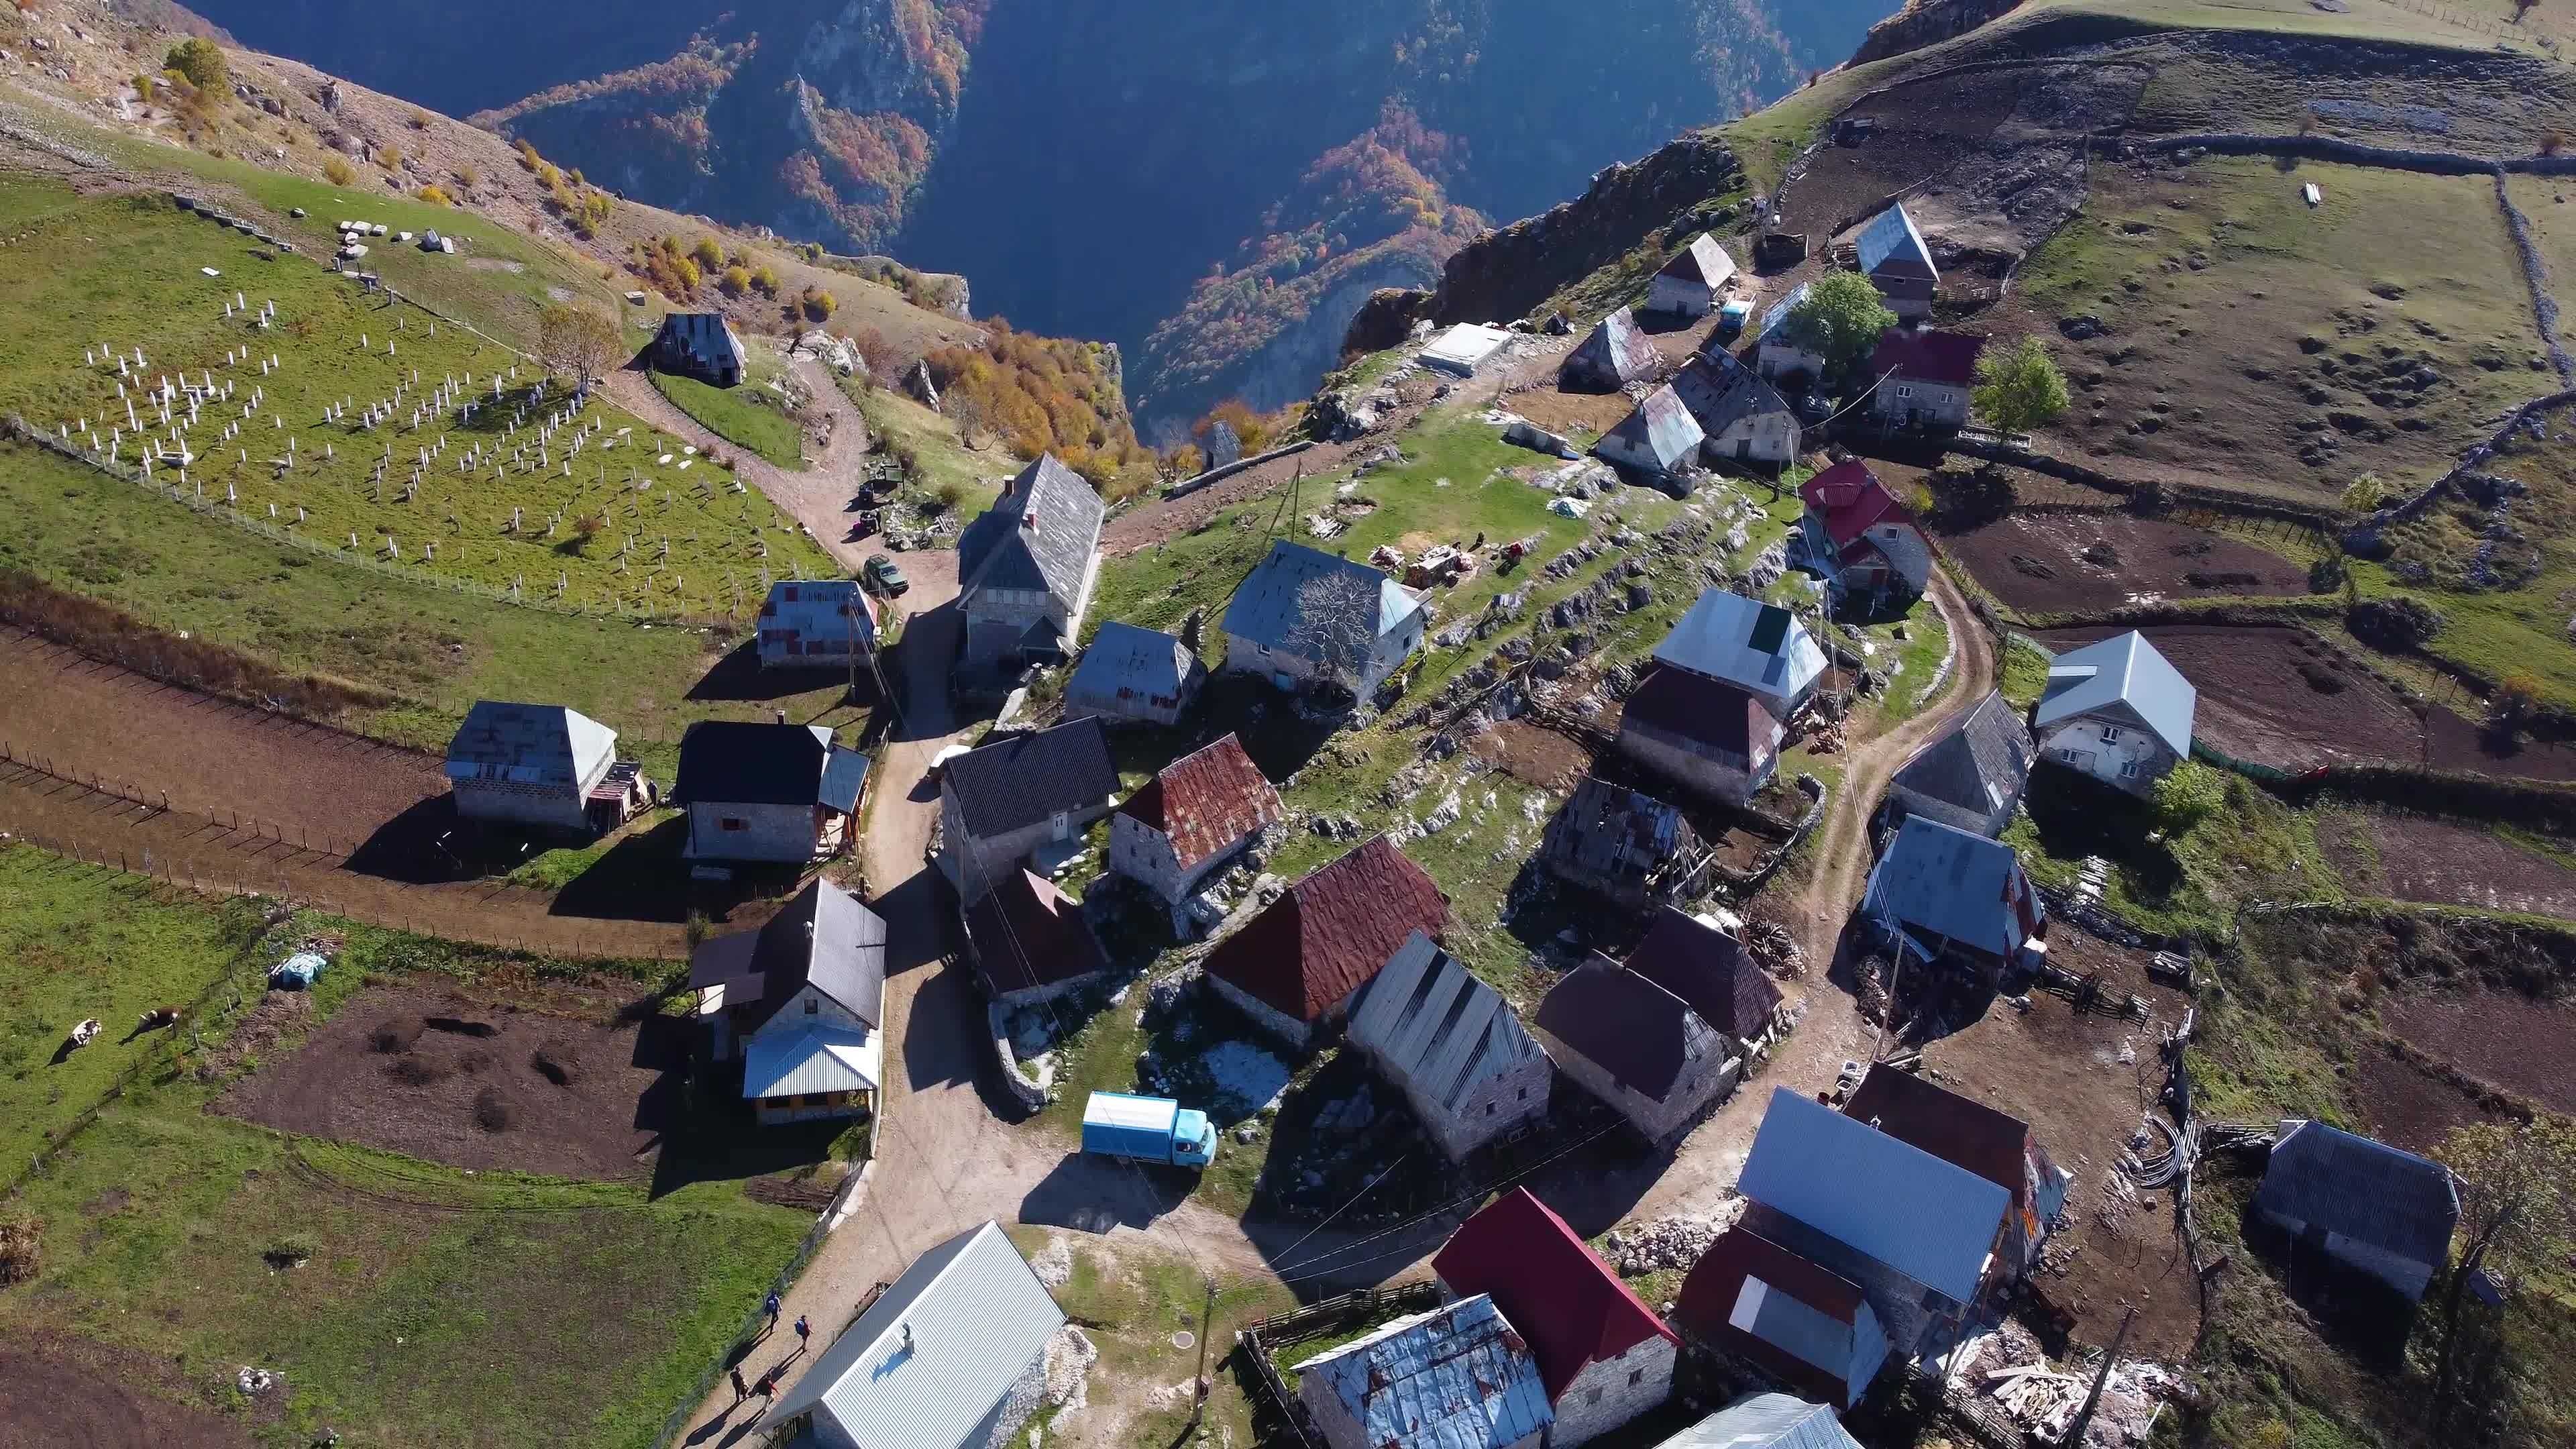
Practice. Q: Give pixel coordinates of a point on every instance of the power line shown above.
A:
(1474, 1195)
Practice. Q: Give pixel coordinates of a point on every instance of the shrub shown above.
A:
(820, 305)
(529, 160)
(419, 119)
(686, 269)
(338, 171)
(2365, 494)
(389, 157)
(20, 1250)
(201, 62)
(736, 281)
(468, 177)
(2188, 796)
(766, 280)
(709, 254)
(436, 195)
(948, 493)
(291, 1250)
(2019, 387)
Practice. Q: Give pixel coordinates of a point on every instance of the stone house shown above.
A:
(1803, 1325)
(1860, 540)
(1713, 975)
(1759, 648)
(780, 793)
(1452, 1046)
(1134, 676)
(1625, 846)
(1971, 776)
(951, 1355)
(1924, 378)
(2379, 1211)
(1295, 967)
(1922, 1239)
(1029, 943)
(1775, 355)
(2117, 711)
(1637, 1047)
(1660, 439)
(1942, 894)
(1196, 814)
(1459, 1377)
(1893, 254)
(1615, 354)
(1743, 418)
(1003, 801)
(1969, 1134)
(541, 765)
(1603, 1355)
(1704, 734)
(816, 624)
(1303, 617)
(1025, 568)
(702, 345)
(1694, 281)
(802, 1000)
(1766, 1421)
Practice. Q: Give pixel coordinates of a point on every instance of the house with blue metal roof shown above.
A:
(1303, 618)
(1918, 1236)
(2118, 711)
(1942, 894)
(1134, 676)
(952, 1355)
(1459, 1377)
(702, 345)
(1891, 250)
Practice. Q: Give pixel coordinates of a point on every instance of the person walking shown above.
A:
(741, 1390)
(804, 1334)
(771, 1304)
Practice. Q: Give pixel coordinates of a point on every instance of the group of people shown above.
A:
(767, 1385)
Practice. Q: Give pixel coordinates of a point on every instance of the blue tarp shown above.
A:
(296, 972)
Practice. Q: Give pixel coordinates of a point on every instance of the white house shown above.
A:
(1304, 617)
(802, 1001)
(1742, 418)
(1001, 802)
(1603, 1355)
(780, 792)
(1026, 565)
(540, 765)
(2117, 711)
(952, 1355)
(1133, 676)
(1775, 355)
(1659, 438)
(1196, 814)
(1924, 378)
(1691, 284)
(816, 624)
(1452, 1046)
(1703, 733)
(1460, 1377)
(1463, 348)
(1759, 648)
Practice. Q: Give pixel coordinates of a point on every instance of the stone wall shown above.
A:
(1602, 1397)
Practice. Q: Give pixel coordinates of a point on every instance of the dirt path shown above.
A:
(819, 497)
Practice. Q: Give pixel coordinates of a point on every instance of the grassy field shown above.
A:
(945, 469)
(2268, 345)
(623, 529)
(425, 1306)
(749, 416)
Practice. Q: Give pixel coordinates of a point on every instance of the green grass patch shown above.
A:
(943, 468)
(2254, 847)
(749, 416)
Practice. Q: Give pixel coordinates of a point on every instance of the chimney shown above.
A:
(907, 1337)
(782, 715)
(1029, 519)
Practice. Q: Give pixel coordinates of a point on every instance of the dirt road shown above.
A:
(819, 497)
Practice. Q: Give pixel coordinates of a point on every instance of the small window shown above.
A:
(1524, 1094)
(1636, 1377)
(2110, 734)
(732, 823)
(1489, 1109)
(813, 1007)
(1592, 1397)
(2128, 769)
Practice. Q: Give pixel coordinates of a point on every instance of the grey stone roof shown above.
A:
(1019, 782)
(1722, 394)
(1040, 534)
(824, 937)
(1269, 603)
(2363, 1190)
(1974, 773)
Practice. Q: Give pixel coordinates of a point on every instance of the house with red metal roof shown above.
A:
(1864, 543)
(1802, 1324)
(1923, 377)
(1637, 1047)
(1603, 1355)
(1705, 734)
(1197, 813)
(1294, 967)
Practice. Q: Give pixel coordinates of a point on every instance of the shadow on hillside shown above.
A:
(640, 878)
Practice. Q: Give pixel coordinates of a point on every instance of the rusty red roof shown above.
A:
(1570, 1305)
(1959, 1130)
(1926, 354)
(1692, 706)
(1027, 934)
(1332, 932)
(1709, 970)
(1205, 801)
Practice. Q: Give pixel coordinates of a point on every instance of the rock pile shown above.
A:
(1665, 1243)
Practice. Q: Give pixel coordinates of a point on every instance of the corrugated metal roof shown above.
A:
(1040, 534)
(530, 744)
(1435, 1025)
(1892, 239)
(935, 1355)
(845, 774)
(1780, 310)
(1458, 1377)
(1945, 881)
(1766, 1421)
(1703, 263)
(1617, 352)
(1717, 638)
(2123, 674)
(1025, 934)
(1206, 801)
(832, 609)
(823, 936)
(2367, 1191)
(1709, 970)
(1662, 428)
(1927, 354)
(1268, 605)
(1123, 657)
(1926, 1219)
(816, 1059)
(1723, 392)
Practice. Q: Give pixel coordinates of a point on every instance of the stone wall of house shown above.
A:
(1761, 438)
(1145, 855)
(2120, 755)
(1704, 1084)
(1491, 1106)
(1712, 772)
(1027, 1393)
(1679, 297)
(1612, 1391)
(782, 833)
(553, 807)
(982, 860)
(1269, 1018)
(1932, 402)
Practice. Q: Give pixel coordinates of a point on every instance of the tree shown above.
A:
(577, 340)
(2365, 494)
(2188, 795)
(2517, 1189)
(201, 63)
(2019, 387)
(1336, 625)
(1839, 319)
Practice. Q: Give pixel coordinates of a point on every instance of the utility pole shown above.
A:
(2084, 1416)
(1199, 1385)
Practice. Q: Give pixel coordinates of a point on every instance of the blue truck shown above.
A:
(1147, 1129)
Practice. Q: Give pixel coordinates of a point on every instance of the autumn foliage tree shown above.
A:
(577, 340)
(1044, 395)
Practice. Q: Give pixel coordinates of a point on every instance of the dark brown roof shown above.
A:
(824, 936)
(1205, 801)
(1025, 934)
(1332, 932)
(1706, 1304)
(1695, 707)
(1964, 1133)
(1627, 1025)
(1709, 970)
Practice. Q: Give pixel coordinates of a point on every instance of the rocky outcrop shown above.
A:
(1386, 318)
(1927, 22)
